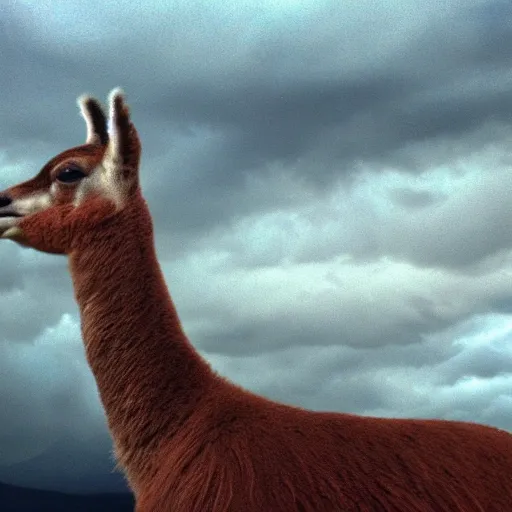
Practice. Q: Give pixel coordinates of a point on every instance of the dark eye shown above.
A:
(70, 174)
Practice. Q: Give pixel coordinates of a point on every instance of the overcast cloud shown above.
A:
(331, 188)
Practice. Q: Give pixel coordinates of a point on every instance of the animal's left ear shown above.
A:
(94, 119)
(123, 150)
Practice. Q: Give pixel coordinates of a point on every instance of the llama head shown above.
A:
(81, 187)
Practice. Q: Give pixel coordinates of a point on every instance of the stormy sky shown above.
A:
(331, 185)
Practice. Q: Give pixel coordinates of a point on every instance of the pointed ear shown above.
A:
(124, 144)
(95, 120)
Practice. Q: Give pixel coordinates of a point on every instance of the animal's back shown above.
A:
(253, 455)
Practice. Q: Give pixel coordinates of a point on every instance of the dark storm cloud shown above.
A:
(271, 334)
(280, 122)
(413, 199)
(337, 120)
(33, 85)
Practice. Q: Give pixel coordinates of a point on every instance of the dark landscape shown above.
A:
(22, 499)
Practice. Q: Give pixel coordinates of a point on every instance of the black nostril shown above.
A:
(5, 201)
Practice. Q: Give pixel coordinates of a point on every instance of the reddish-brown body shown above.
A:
(190, 441)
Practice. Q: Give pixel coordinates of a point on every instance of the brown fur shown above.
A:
(189, 440)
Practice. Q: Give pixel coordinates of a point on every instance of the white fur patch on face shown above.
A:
(33, 203)
(106, 182)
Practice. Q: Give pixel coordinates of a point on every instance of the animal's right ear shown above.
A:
(124, 145)
(95, 119)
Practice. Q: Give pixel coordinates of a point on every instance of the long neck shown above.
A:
(148, 375)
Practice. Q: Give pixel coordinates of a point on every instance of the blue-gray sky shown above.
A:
(330, 183)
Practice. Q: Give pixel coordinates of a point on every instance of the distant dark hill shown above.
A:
(70, 465)
(22, 499)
